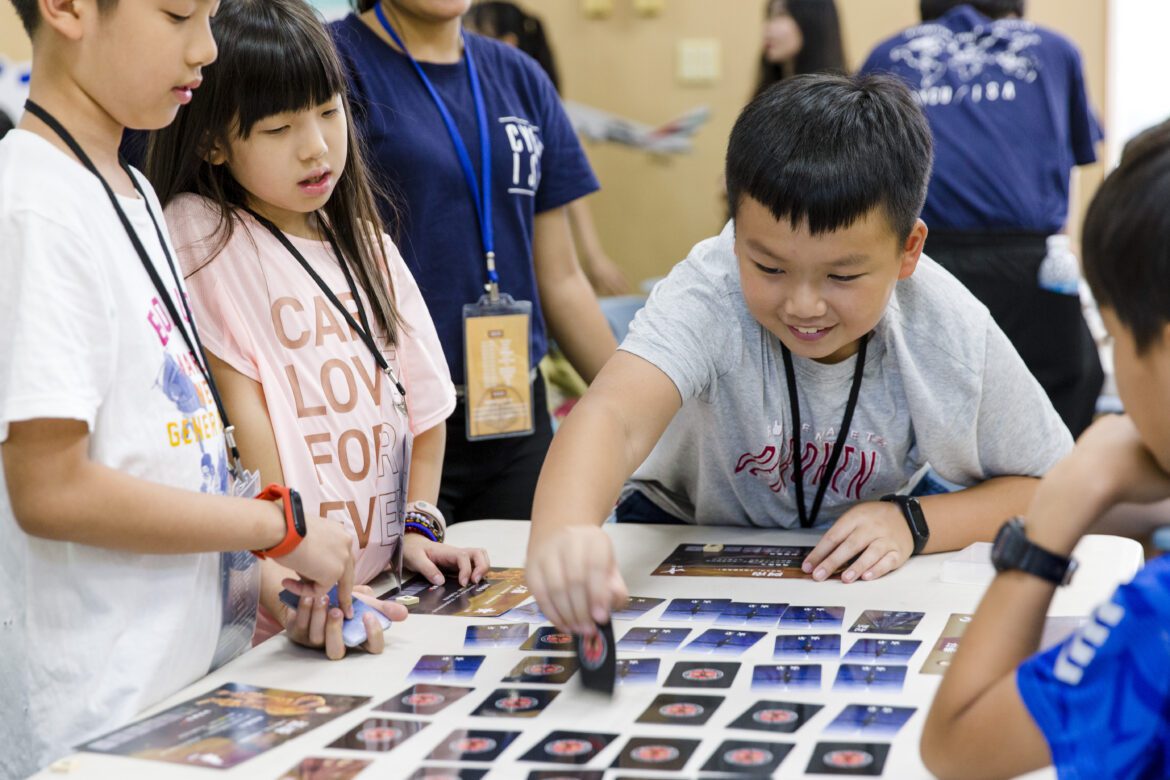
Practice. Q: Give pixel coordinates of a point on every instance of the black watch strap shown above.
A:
(1013, 551)
(915, 519)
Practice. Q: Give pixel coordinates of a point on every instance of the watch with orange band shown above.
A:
(294, 520)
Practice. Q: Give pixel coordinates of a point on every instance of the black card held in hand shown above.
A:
(598, 658)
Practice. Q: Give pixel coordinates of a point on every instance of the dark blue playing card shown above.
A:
(779, 717)
(787, 676)
(447, 667)
(869, 720)
(755, 615)
(717, 641)
(549, 638)
(496, 635)
(880, 621)
(802, 647)
(886, 651)
(635, 607)
(696, 610)
(871, 677)
(644, 638)
(637, 671)
(818, 618)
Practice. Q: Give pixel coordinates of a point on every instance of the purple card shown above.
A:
(460, 668)
(751, 614)
(643, 638)
(869, 677)
(812, 618)
(718, 641)
(865, 721)
(637, 671)
(886, 651)
(790, 677)
(496, 635)
(804, 647)
(695, 610)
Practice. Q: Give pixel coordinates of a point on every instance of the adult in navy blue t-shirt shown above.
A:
(538, 167)
(1010, 116)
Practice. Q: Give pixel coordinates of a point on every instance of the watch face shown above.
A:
(294, 500)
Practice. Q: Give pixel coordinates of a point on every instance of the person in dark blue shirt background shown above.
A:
(1007, 105)
(1096, 705)
(538, 168)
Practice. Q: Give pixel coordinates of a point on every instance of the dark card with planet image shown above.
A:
(549, 638)
(568, 747)
(677, 709)
(848, 758)
(515, 703)
(778, 717)
(598, 660)
(473, 745)
(747, 758)
(566, 774)
(548, 669)
(447, 773)
(657, 753)
(424, 699)
(702, 674)
(378, 734)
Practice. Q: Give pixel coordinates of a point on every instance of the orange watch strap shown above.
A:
(291, 539)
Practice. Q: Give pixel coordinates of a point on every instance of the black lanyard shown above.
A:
(808, 518)
(191, 339)
(364, 331)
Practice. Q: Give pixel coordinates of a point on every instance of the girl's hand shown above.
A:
(315, 624)
(426, 557)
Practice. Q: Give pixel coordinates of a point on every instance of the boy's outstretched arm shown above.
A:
(876, 533)
(571, 566)
(979, 725)
(58, 492)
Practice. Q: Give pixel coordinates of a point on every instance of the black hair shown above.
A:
(275, 56)
(1126, 238)
(996, 9)
(822, 51)
(828, 149)
(30, 17)
(497, 18)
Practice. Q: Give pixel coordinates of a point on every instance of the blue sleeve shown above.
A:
(565, 171)
(1084, 131)
(1100, 697)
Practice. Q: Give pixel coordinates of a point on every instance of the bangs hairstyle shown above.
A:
(828, 149)
(1126, 238)
(275, 56)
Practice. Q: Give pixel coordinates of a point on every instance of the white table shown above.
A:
(1106, 561)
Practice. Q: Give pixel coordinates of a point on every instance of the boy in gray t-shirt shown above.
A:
(816, 291)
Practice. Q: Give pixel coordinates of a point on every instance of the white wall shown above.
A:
(1139, 59)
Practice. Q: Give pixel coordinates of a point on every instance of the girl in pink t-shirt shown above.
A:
(317, 334)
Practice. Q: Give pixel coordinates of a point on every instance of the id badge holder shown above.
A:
(400, 506)
(496, 364)
(239, 584)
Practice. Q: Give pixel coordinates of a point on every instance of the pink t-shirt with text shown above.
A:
(338, 429)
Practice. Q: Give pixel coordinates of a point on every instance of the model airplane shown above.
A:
(674, 137)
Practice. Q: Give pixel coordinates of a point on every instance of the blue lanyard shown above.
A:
(481, 195)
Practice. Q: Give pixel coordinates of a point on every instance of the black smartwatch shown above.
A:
(1013, 551)
(912, 511)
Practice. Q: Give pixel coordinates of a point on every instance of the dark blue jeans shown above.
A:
(636, 508)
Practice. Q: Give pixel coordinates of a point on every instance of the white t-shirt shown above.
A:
(89, 637)
(941, 386)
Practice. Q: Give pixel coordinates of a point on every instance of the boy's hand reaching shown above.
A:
(575, 578)
(426, 557)
(874, 532)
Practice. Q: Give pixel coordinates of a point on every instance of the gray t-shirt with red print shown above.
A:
(942, 386)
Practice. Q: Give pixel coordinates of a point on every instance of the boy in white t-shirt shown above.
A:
(113, 593)
(799, 369)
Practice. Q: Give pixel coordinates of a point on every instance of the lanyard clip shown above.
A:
(400, 404)
(493, 282)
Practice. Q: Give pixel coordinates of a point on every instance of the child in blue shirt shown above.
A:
(1094, 706)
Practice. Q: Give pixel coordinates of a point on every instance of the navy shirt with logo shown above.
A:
(1007, 105)
(537, 165)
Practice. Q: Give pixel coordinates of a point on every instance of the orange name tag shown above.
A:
(497, 367)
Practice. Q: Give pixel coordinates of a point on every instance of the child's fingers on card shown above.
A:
(376, 640)
(334, 644)
(479, 557)
(317, 620)
(828, 542)
(421, 563)
(555, 604)
(844, 552)
(877, 549)
(884, 566)
(463, 563)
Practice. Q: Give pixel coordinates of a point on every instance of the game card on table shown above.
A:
(779, 717)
